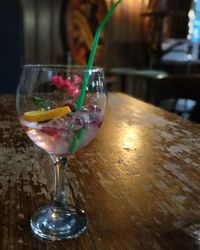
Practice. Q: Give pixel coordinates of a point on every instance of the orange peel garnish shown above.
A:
(45, 115)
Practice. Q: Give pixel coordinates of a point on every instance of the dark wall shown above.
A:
(42, 31)
(10, 45)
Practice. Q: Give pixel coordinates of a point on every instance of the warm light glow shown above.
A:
(130, 138)
(128, 5)
(146, 3)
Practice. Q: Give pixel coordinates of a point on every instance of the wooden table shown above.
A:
(138, 180)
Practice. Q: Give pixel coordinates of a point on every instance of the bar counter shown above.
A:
(138, 180)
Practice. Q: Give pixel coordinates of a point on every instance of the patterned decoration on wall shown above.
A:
(83, 19)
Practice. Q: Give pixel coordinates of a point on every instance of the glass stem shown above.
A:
(59, 167)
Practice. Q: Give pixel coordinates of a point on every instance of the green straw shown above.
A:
(76, 140)
(92, 54)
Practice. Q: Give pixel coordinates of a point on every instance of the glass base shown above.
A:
(56, 224)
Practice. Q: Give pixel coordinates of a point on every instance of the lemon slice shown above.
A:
(45, 115)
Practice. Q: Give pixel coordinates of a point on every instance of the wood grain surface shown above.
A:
(138, 180)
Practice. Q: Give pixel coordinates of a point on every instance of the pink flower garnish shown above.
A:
(67, 86)
(77, 79)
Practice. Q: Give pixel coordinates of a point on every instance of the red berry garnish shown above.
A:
(49, 131)
(71, 106)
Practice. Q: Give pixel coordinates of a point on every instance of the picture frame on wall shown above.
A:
(83, 18)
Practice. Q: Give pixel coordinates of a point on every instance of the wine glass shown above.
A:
(50, 111)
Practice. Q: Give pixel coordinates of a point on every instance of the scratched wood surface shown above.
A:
(138, 180)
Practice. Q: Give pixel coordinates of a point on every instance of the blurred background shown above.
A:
(149, 49)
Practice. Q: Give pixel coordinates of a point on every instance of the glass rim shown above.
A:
(61, 66)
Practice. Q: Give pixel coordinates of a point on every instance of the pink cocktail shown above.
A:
(57, 136)
(60, 118)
